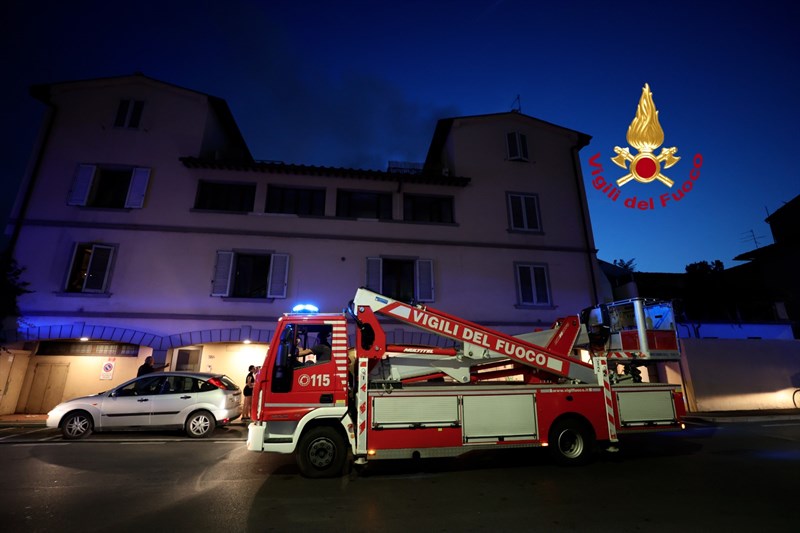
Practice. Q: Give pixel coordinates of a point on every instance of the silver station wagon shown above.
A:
(195, 402)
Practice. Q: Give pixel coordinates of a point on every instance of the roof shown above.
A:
(792, 204)
(444, 125)
(42, 91)
(278, 167)
(218, 105)
(758, 253)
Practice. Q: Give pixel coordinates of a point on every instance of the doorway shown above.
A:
(188, 360)
(47, 387)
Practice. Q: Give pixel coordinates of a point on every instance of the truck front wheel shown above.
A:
(321, 453)
(571, 442)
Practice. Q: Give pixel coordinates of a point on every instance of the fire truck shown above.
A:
(570, 388)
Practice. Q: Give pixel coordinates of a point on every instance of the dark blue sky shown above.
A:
(360, 83)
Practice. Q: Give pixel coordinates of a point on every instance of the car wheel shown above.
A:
(321, 453)
(200, 424)
(571, 442)
(76, 425)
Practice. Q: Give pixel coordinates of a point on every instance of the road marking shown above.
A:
(25, 434)
(38, 443)
(782, 424)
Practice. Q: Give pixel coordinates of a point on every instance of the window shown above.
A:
(517, 146)
(86, 348)
(364, 204)
(405, 280)
(295, 201)
(420, 208)
(533, 286)
(256, 275)
(129, 114)
(90, 268)
(230, 197)
(523, 212)
(115, 187)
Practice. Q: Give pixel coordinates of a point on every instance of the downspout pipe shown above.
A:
(34, 173)
(583, 140)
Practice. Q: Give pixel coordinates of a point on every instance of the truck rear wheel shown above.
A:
(571, 442)
(321, 453)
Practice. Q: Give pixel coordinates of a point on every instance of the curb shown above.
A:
(14, 423)
(720, 420)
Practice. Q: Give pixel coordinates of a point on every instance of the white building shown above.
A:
(145, 226)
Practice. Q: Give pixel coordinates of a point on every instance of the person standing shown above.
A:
(249, 381)
(146, 367)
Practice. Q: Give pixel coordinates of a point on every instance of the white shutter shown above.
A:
(278, 276)
(137, 188)
(423, 283)
(98, 269)
(375, 274)
(222, 274)
(81, 185)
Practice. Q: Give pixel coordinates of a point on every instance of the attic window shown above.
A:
(129, 114)
(517, 146)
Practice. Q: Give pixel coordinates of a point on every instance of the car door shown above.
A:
(174, 401)
(131, 404)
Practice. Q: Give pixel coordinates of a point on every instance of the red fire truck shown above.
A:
(568, 388)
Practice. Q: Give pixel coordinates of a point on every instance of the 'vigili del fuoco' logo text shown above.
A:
(646, 136)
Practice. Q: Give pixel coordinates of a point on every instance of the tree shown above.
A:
(704, 267)
(11, 287)
(706, 295)
(629, 264)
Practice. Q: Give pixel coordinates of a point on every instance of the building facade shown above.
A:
(145, 227)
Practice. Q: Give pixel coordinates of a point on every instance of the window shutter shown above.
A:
(97, 271)
(424, 281)
(511, 140)
(523, 146)
(222, 274)
(137, 188)
(278, 276)
(375, 274)
(81, 185)
(541, 286)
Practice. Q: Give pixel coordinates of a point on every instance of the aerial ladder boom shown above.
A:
(480, 343)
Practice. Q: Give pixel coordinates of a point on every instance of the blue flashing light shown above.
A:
(305, 308)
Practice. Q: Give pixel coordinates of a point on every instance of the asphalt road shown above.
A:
(732, 478)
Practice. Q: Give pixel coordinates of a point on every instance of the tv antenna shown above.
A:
(516, 105)
(748, 236)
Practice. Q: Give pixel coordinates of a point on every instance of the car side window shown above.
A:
(168, 386)
(148, 385)
(185, 384)
(205, 386)
(141, 387)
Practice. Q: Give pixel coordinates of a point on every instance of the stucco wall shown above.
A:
(731, 374)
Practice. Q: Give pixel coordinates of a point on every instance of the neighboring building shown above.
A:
(769, 281)
(713, 304)
(756, 300)
(146, 227)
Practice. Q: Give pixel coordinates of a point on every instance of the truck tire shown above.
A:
(571, 442)
(321, 453)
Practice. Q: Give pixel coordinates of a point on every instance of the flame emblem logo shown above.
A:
(645, 134)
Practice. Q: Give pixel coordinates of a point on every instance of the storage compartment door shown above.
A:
(499, 418)
(646, 407)
(414, 411)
